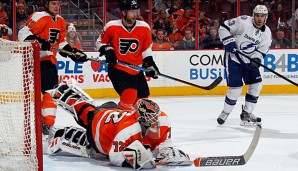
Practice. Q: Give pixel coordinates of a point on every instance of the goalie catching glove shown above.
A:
(74, 54)
(150, 65)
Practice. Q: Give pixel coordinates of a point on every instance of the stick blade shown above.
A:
(231, 160)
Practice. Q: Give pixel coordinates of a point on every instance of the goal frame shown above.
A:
(37, 101)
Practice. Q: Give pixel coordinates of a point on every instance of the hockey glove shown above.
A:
(253, 65)
(138, 157)
(149, 64)
(45, 44)
(110, 54)
(229, 44)
(4, 31)
(173, 157)
(77, 55)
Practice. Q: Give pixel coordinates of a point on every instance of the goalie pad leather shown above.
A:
(138, 157)
(71, 140)
(68, 94)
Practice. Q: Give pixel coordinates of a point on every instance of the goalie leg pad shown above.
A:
(68, 95)
(173, 157)
(70, 139)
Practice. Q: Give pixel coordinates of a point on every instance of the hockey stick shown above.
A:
(223, 160)
(269, 69)
(78, 54)
(209, 87)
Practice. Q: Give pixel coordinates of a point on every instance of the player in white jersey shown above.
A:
(252, 37)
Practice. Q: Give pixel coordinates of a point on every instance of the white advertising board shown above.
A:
(199, 67)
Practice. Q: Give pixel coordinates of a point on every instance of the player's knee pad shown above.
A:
(255, 89)
(234, 92)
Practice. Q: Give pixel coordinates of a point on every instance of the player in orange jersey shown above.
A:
(49, 29)
(128, 40)
(135, 138)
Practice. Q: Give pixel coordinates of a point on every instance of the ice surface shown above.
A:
(195, 131)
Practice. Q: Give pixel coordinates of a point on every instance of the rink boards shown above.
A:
(200, 67)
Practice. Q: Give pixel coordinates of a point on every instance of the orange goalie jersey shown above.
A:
(113, 129)
(130, 46)
(46, 27)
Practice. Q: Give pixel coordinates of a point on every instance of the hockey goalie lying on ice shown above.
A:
(136, 139)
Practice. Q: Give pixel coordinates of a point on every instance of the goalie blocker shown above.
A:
(107, 129)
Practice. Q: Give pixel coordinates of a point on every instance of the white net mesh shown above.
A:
(17, 122)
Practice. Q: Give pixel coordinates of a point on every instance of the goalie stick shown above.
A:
(223, 160)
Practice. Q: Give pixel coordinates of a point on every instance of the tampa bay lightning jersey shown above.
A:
(248, 38)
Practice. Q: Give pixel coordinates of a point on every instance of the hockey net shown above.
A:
(20, 125)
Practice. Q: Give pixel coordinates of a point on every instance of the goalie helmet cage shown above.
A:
(20, 106)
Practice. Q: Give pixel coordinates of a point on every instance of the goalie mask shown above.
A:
(148, 112)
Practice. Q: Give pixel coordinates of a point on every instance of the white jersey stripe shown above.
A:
(97, 135)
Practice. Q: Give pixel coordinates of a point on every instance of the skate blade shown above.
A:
(247, 123)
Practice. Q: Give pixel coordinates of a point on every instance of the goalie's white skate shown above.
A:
(249, 119)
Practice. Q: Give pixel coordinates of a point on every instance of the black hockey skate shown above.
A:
(222, 118)
(249, 119)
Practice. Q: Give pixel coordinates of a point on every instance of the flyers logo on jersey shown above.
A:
(53, 35)
(128, 44)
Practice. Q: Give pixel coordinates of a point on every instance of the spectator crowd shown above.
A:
(174, 23)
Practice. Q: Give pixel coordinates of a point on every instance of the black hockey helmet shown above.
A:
(46, 2)
(128, 5)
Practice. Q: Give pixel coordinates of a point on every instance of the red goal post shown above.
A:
(20, 106)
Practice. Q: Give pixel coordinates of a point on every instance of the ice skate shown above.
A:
(222, 118)
(249, 119)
